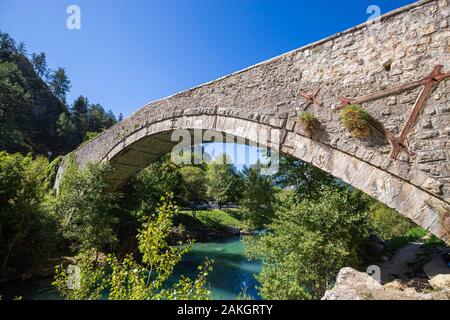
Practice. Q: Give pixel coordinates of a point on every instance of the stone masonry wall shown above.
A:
(403, 47)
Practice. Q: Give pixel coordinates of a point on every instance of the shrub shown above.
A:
(146, 278)
(357, 120)
(25, 216)
(309, 121)
(308, 242)
(85, 208)
(388, 223)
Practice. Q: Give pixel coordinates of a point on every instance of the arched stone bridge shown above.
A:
(402, 48)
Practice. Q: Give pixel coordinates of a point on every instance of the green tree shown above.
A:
(66, 130)
(194, 185)
(39, 62)
(386, 222)
(85, 207)
(59, 84)
(223, 181)
(309, 242)
(7, 47)
(142, 194)
(144, 191)
(22, 48)
(80, 114)
(257, 197)
(110, 119)
(99, 120)
(306, 179)
(145, 280)
(15, 109)
(25, 215)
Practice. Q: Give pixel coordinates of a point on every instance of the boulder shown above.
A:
(439, 273)
(440, 281)
(354, 285)
(342, 294)
(351, 277)
(395, 285)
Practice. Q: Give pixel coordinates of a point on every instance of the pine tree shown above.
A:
(60, 84)
(39, 62)
(7, 47)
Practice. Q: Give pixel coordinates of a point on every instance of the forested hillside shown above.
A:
(34, 114)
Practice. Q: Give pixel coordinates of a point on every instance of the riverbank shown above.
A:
(232, 273)
(207, 225)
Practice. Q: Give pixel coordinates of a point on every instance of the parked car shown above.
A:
(201, 206)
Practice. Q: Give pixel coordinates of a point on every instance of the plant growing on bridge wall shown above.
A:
(356, 120)
(309, 122)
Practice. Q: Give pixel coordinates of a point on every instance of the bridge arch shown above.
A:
(265, 99)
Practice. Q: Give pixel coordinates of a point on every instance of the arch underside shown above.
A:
(146, 144)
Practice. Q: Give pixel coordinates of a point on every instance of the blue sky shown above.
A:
(129, 53)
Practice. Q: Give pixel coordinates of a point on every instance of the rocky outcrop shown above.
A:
(355, 285)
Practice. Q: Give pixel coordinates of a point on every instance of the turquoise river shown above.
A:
(232, 272)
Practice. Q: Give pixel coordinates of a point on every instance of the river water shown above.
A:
(232, 272)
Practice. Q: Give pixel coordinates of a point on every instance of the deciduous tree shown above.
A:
(309, 242)
(133, 280)
(194, 185)
(223, 180)
(257, 197)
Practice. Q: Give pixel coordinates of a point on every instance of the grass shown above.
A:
(413, 235)
(357, 120)
(309, 121)
(209, 220)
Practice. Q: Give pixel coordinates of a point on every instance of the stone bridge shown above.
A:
(383, 65)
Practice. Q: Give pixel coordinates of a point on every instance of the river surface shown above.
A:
(232, 272)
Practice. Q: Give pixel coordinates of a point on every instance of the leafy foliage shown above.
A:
(129, 279)
(144, 191)
(356, 119)
(25, 215)
(206, 222)
(39, 62)
(305, 179)
(66, 130)
(59, 84)
(8, 47)
(308, 242)
(84, 281)
(194, 185)
(223, 181)
(386, 222)
(15, 107)
(257, 198)
(85, 207)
